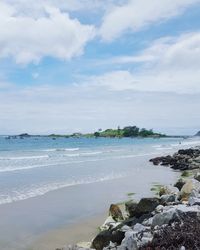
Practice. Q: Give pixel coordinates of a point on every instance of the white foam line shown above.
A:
(24, 157)
(73, 162)
(59, 149)
(35, 192)
(84, 154)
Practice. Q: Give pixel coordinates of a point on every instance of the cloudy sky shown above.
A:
(79, 65)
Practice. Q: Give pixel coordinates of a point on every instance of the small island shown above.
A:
(129, 131)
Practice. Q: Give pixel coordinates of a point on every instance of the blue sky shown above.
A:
(69, 66)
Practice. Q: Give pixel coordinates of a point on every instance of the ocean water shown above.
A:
(35, 166)
(45, 183)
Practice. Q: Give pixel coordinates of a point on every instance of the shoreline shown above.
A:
(58, 214)
(180, 200)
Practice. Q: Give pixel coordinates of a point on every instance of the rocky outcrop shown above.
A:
(184, 159)
(170, 221)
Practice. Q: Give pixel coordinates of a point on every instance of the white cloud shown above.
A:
(54, 34)
(136, 14)
(170, 64)
(66, 109)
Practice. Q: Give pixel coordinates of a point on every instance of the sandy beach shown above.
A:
(83, 231)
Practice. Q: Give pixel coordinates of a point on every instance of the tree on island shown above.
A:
(129, 131)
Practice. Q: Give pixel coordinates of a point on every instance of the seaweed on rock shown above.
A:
(179, 235)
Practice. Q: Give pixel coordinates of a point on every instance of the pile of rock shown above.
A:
(169, 221)
(152, 219)
(185, 159)
(148, 218)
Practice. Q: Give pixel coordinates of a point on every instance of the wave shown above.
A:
(85, 154)
(133, 156)
(39, 191)
(157, 146)
(60, 163)
(186, 143)
(164, 148)
(60, 149)
(72, 155)
(24, 157)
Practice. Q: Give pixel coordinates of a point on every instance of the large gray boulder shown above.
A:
(104, 238)
(145, 206)
(130, 207)
(175, 213)
(188, 187)
(135, 238)
(168, 198)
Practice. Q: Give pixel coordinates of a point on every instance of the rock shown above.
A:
(109, 224)
(145, 206)
(168, 198)
(194, 165)
(168, 190)
(194, 201)
(198, 133)
(159, 209)
(115, 212)
(130, 207)
(105, 237)
(164, 218)
(197, 176)
(197, 159)
(164, 160)
(179, 184)
(139, 227)
(175, 213)
(190, 152)
(135, 238)
(185, 159)
(129, 242)
(188, 187)
(148, 222)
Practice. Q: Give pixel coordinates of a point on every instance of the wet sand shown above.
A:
(47, 222)
(83, 231)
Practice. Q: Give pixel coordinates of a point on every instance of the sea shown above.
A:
(49, 182)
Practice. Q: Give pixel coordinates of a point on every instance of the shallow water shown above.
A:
(47, 183)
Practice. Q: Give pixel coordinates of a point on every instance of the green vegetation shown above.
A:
(156, 188)
(186, 173)
(130, 194)
(130, 131)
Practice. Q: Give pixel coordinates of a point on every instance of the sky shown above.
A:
(79, 65)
